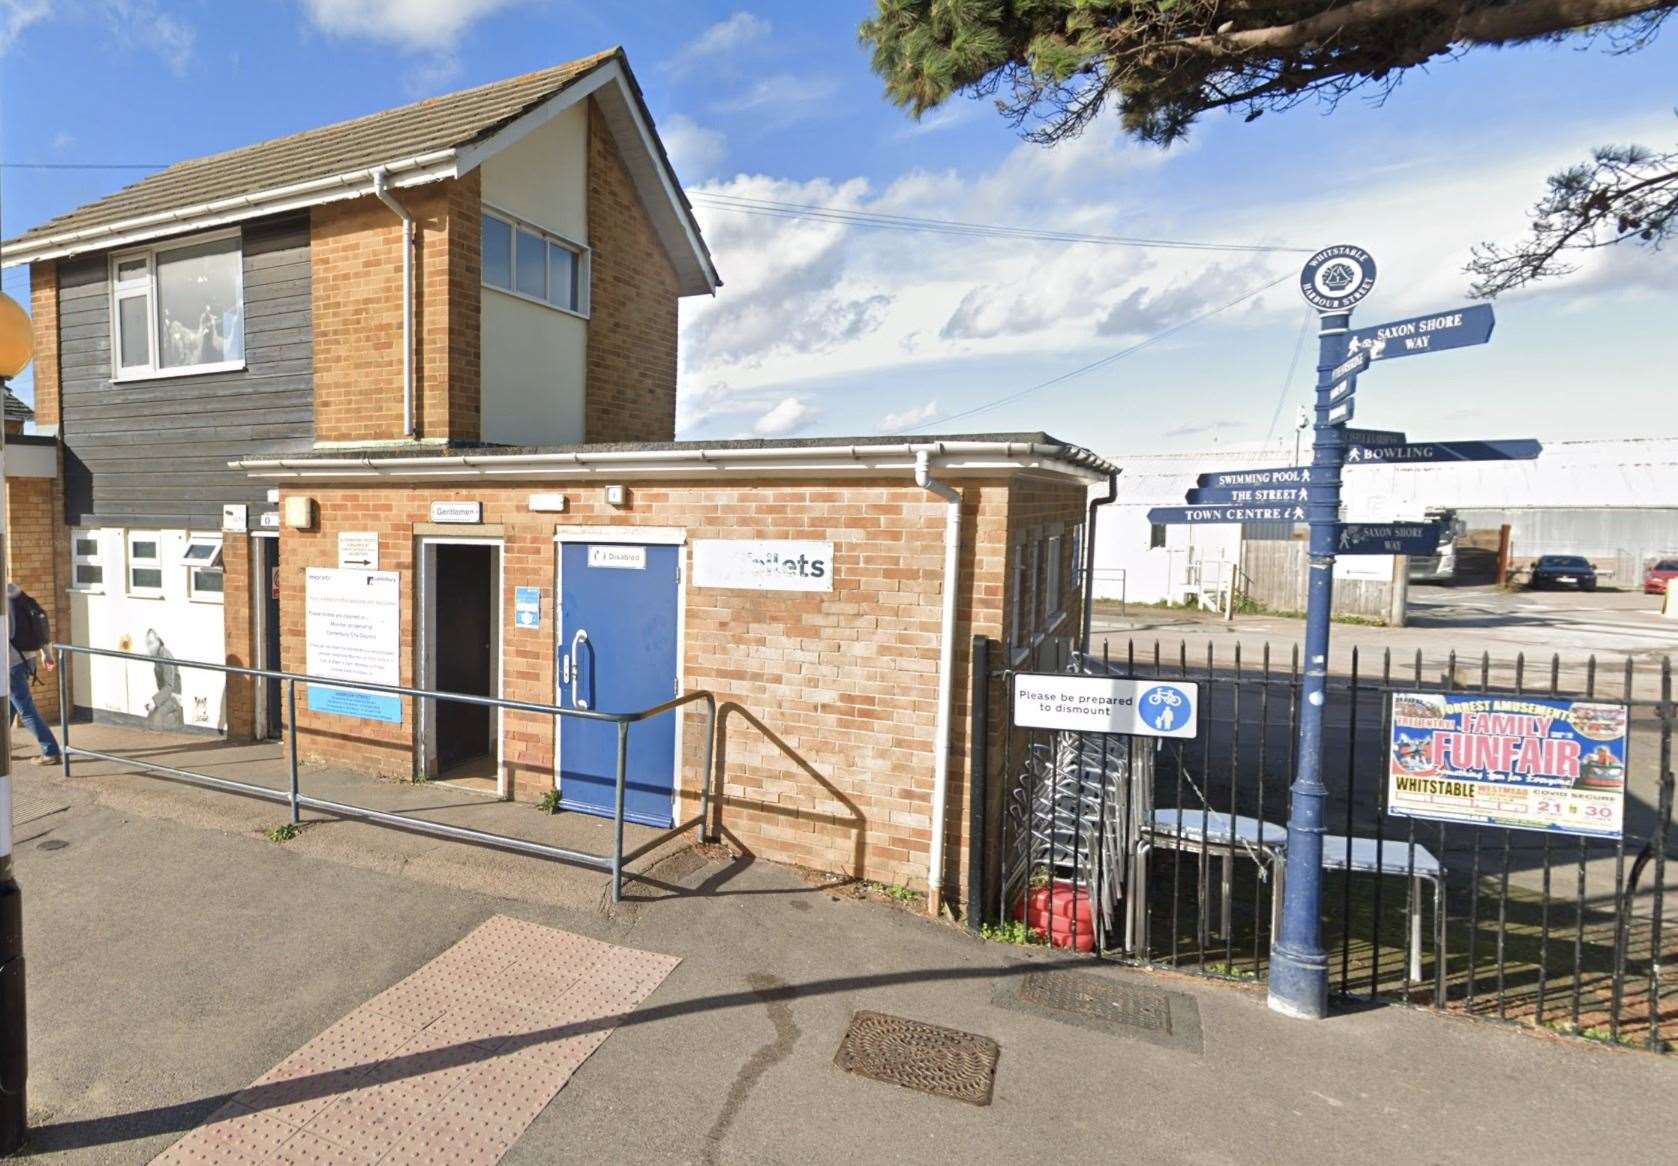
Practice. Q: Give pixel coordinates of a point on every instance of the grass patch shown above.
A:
(548, 803)
(1012, 931)
(891, 891)
(284, 832)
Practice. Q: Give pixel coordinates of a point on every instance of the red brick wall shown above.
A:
(631, 385)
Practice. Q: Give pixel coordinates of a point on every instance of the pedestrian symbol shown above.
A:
(1163, 707)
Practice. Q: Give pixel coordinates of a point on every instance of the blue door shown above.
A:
(617, 654)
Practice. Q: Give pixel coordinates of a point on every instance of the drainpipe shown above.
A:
(1089, 557)
(383, 195)
(946, 675)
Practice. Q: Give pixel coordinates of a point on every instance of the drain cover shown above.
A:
(53, 844)
(898, 1051)
(1098, 999)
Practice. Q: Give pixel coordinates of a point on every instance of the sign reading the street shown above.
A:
(1374, 437)
(1530, 763)
(1337, 277)
(1351, 366)
(1193, 515)
(1281, 476)
(1244, 495)
(1101, 704)
(1387, 538)
(1435, 332)
(1445, 451)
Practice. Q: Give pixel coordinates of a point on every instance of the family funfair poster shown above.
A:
(1521, 762)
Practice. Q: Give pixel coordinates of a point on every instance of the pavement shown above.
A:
(175, 954)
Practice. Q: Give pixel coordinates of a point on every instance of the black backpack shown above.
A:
(30, 630)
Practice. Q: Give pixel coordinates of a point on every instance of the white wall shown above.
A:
(534, 357)
(111, 618)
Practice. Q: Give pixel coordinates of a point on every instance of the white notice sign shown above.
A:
(358, 549)
(763, 564)
(457, 512)
(1099, 704)
(618, 558)
(352, 631)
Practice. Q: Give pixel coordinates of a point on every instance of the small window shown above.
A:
(145, 566)
(1156, 535)
(1075, 560)
(562, 277)
(202, 558)
(529, 262)
(530, 265)
(202, 551)
(498, 253)
(1016, 595)
(88, 573)
(1051, 577)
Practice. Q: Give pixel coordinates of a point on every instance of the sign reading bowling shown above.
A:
(763, 564)
(1101, 704)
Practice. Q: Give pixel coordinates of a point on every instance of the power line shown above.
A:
(771, 208)
(1287, 381)
(1103, 362)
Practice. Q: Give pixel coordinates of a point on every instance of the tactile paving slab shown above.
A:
(447, 1066)
(916, 1055)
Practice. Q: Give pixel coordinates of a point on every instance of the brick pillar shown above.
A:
(43, 315)
(30, 559)
(239, 631)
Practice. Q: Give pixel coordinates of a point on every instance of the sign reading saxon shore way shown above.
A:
(1519, 449)
(1194, 515)
(1526, 762)
(763, 564)
(352, 631)
(1101, 704)
(1387, 538)
(1435, 332)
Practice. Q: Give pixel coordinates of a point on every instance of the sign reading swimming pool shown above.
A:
(1527, 762)
(353, 632)
(763, 564)
(1100, 704)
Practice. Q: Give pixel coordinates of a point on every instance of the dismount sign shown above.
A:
(1099, 704)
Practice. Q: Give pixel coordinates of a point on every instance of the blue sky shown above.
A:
(826, 328)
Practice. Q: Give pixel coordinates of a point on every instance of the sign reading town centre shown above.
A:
(1101, 704)
(1194, 515)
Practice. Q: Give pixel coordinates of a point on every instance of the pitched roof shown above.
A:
(415, 143)
(16, 410)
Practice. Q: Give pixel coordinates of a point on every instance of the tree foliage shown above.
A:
(1054, 65)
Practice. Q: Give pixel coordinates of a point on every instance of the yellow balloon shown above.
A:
(17, 338)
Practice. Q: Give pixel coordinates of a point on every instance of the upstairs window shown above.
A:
(534, 264)
(178, 308)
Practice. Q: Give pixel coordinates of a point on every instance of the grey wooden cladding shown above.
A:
(154, 453)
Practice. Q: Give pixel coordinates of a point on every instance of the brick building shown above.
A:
(394, 400)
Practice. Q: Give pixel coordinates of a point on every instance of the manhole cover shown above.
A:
(1098, 999)
(898, 1051)
(53, 844)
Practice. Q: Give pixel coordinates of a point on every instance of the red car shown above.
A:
(1656, 578)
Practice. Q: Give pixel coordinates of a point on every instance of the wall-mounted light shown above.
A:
(297, 511)
(617, 495)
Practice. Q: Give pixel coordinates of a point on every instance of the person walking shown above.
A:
(22, 622)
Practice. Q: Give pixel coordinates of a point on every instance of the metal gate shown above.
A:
(1171, 852)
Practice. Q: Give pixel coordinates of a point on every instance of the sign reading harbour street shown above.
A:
(1168, 515)
(1244, 495)
(1281, 476)
(1337, 277)
(1435, 332)
(1102, 704)
(1387, 538)
(1445, 451)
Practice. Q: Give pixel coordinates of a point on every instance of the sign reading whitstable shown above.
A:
(353, 632)
(1530, 763)
(763, 564)
(1101, 704)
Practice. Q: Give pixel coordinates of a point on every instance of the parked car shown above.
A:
(1563, 571)
(1656, 578)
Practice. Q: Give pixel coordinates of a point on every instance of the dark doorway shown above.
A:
(465, 657)
(268, 631)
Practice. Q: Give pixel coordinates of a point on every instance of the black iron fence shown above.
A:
(1172, 851)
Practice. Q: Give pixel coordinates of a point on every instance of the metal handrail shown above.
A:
(299, 801)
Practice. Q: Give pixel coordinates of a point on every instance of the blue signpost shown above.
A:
(1434, 332)
(1279, 476)
(1196, 515)
(1445, 451)
(1388, 538)
(1244, 495)
(1374, 437)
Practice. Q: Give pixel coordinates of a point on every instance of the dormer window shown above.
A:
(525, 261)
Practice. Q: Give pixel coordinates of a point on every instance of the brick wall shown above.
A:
(356, 269)
(43, 314)
(31, 524)
(631, 386)
(239, 630)
(829, 699)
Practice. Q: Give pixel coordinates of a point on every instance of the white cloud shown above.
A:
(17, 15)
(415, 25)
(694, 150)
(722, 39)
(779, 100)
(787, 416)
(909, 418)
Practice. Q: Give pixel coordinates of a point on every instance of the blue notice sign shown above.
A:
(1163, 707)
(1444, 451)
(527, 607)
(1195, 515)
(1244, 495)
(352, 702)
(1387, 538)
(1420, 335)
(1280, 476)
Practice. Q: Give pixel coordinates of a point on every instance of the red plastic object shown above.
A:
(1071, 923)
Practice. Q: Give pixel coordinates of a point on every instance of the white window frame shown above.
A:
(1075, 560)
(154, 563)
(148, 288)
(96, 559)
(212, 562)
(585, 265)
(1052, 604)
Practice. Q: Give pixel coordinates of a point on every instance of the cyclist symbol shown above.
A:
(1163, 707)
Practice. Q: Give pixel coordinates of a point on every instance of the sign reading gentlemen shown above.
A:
(1337, 277)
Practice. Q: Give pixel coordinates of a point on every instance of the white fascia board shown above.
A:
(31, 461)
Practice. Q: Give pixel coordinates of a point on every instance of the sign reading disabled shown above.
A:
(353, 632)
(1100, 704)
(763, 564)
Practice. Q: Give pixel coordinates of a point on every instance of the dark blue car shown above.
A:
(1563, 571)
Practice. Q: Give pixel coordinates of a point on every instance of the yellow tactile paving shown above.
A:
(447, 1066)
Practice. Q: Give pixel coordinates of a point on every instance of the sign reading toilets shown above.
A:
(1100, 704)
(763, 564)
(353, 632)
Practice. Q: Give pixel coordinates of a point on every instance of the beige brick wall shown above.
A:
(31, 524)
(239, 631)
(829, 699)
(631, 385)
(43, 312)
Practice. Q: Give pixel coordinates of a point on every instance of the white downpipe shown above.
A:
(946, 674)
(383, 195)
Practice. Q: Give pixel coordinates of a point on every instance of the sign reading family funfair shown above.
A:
(1100, 704)
(763, 564)
(1523, 762)
(353, 632)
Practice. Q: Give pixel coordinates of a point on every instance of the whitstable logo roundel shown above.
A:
(1337, 277)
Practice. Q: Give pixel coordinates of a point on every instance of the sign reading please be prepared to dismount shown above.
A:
(1099, 704)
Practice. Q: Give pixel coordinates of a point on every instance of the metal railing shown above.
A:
(299, 801)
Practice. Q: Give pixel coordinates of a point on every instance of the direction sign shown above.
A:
(1374, 437)
(1351, 366)
(1387, 538)
(1280, 476)
(1444, 451)
(1244, 495)
(1418, 335)
(1195, 515)
(1341, 413)
(1341, 389)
